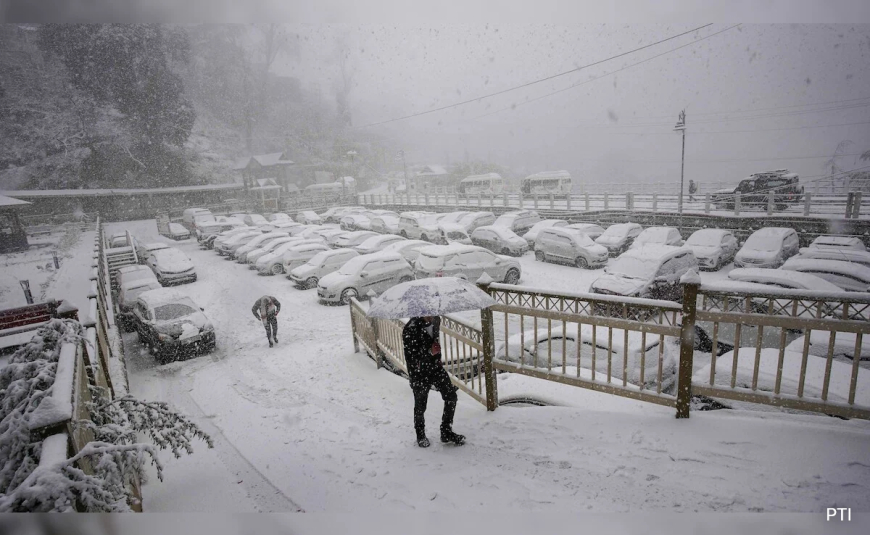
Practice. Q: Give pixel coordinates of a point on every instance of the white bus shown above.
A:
(546, 182)
(332, 188)
(488, 183)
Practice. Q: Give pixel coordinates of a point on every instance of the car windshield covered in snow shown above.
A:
(171, 311)
(763, 242)
(618, 230)
(430, 261)
(353, 265)
(632, 267)
(705, 237)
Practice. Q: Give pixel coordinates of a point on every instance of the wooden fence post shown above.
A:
(655, 202)
(379, 359)
(687, 343)
(536, 201)
(736, 204)
(587, 200)
(856, 205)
(487, 339)
(353, 329)
(770, 202)
(552, 201)
(568, 201)
(492, 200)
(706, 203)
(606, 203)
(521, 200)
(808, 199)
(504, 199)
(629, 201)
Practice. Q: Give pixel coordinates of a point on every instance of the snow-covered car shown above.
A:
(518, 221)
(190, 215)
(308, 217)
(178, 232)
(848, 276)
(780, 278)
(385, 224)
(144, 250)
(266, 248)
(569, 246)
(127, 295)
(171, 325)
(334, 214)
(129, 274)
(241, 254)
(658, 236)
(320, 265)
(355, 222)
(543, 348)
(278, 217)
(419, 225)
(377, 243)
(224, 236)
(300, 254)
(768, 247)
(359, 276)
(467, 262)
(171, 266)
(272, 262)
(846, 255)
(538, 227)
(652, 272)
(409, 249)
(206, 234)
(619, 237)
(454, 233)
(252, 220)
(838, 243)
(590, 229)
(332, 235)
(225, 246)
(354, 238)
(451, 217)
(499, 239)
(712, 247)
(476, 219)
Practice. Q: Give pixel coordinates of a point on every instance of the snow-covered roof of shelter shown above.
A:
(455, 247)
(274, 158)
(550, 174)
(432, 170)
(486, 176)
(9, 201)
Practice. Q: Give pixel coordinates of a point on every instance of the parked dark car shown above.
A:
(171, 325)
(755, 190)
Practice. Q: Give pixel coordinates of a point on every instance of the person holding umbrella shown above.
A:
(423, 357)
(425, 301)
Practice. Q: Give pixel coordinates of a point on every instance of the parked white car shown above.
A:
(847, 255)
(225, 247)
(454, 233)
(320, 265)
(278, 217)
(129, 274)
(127, 295)
(334, 214)
(273, 261)
(538, 227)
(779, 278)
(356, 222)
(658, 236)
(377, 243)
(569, 246)
(363, 274)
(308, 217)
(467, 262)
(519, 221)
(848, 276)
(144, 250)
(189, 215)
(838, 243)
(619, 237)
(713, 247)
(653, 272)
(171, 266)
(499, 239)
(590, 229)
(241, 253)
(178, 232)
(409, 249)
(476, 219)
(419, 226)
(267, 247)
(300, 254)
(385, 224)
(352, 239)
(768, 247)
(253, 220)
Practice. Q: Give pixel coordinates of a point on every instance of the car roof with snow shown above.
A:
(851, 242)
(133, 269)
(712, 234)
(453, 248)
(138, 283)
(655, 233)
(654, 251)
(778, 276)
(576, 233)
(162, 296)
(503, 232)
(780, 232)
(625, 227)
(853, 269)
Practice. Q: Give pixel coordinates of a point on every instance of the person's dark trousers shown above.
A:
(439, 379)
(271, 325)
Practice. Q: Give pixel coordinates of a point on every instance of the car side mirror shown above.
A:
(364, 274)
(202, 309)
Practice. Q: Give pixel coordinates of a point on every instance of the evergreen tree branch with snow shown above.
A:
(98, 477)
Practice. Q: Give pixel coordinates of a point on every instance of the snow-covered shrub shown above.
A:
(30, 483)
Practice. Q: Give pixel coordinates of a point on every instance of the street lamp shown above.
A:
(681, 127)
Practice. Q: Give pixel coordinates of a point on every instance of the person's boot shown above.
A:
(270, 342)
(422, 441)
(447, 434)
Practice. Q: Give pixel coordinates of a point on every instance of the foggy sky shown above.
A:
(402, 69)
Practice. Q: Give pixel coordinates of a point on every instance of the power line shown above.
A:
(730, 131)
(762, 109)
(514, 106)
(527, 84)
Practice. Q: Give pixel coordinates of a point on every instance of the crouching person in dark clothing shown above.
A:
(266, 309)
(423, 358)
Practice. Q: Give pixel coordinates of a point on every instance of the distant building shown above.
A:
(429, 177)
(276, 166)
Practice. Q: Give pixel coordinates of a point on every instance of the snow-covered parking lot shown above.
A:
(309, 425)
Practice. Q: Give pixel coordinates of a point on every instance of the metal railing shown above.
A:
(650, 350)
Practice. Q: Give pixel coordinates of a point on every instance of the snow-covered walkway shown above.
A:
(309, 425)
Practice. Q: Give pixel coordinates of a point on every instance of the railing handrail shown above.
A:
(591, 297)
(712, 288)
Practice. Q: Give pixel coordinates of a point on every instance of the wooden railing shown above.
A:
(658, 351)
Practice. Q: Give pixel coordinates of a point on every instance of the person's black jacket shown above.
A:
(418, 348)
(265, 300)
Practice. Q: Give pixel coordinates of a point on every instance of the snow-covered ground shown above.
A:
(310, 425)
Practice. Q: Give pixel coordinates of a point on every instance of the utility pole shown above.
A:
(405, 170)
(681, 127)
